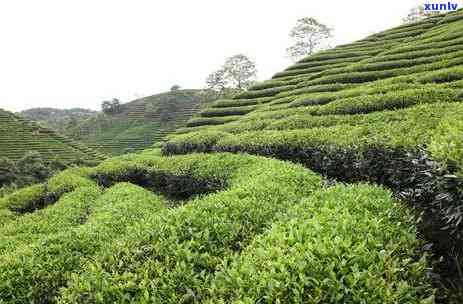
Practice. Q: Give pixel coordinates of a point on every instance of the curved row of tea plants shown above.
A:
(386, 110)
(105, 239)
(18, 136)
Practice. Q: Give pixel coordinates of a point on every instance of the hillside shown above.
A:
(385, 110)
(357, 200)
(18, 136)
(141, 122)
(57, 119)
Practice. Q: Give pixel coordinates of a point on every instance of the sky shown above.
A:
(66, 54)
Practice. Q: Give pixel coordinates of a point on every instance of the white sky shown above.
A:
(64, 54)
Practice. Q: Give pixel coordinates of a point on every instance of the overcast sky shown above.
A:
(64, 54)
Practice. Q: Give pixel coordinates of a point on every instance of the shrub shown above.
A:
(182, 249)
(27, 199)
(234, 103)
(230, 111)
(345, 244)
(299, 66)
(68, 180)
(264, 92)
(202, 121)
(447, 145)
(389, 101)
(70, 211)
(35, 273)
(8, 171)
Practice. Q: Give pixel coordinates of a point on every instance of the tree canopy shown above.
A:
(308, 36)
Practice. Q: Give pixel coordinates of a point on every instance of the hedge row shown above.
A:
(264, 92)
(35, 273)
(230, 111)
(39, 196)
(70, 211)
(379, 66)
(431, 113)
(422, 46)
(388, 101)
(328, 55)
(362, 77)
(438, 51)
(316, 69)
(370, 89)
(179, 251)
(380, 152)
(25, 200)
(347, 244)
(316, 64)
(225, 103)
(201, 121)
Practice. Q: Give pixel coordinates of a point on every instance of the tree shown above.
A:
(32, 168)
(240, 71)
(216, 81)
(308, 36)
(175, 87)
(8, 171)
(418, 13)
(237, 73)
(111, 106)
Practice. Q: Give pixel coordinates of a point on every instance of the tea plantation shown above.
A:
(141, 123)
(18, 136)
(337, 181)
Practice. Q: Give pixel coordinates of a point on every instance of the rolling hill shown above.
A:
(18, 136)
(337, 181)
(141, 123)
(57, 119)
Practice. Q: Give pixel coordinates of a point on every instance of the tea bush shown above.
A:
(35, 273)
(69, 211)
(342, 245)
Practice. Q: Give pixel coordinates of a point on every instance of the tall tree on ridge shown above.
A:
(237, 74)
(308, 36)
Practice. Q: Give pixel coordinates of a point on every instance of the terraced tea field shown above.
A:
(18, 136)
(353, 194)
(141, 123)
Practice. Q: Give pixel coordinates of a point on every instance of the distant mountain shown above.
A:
(57, 119)
(142, 122)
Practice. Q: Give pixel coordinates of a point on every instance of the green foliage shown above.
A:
(57, 119)
(389, 101)
(230, 111)
(345, 244)
(25, 200)
(68, 180)
(223, 227)
(385, 110)
(70, 211)
(32, 167)
(19, 136)
(111, 106)
(36, 272)
(447, 144)
(189, 242)
(142, 122)
(201, 121)
(8, 171)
